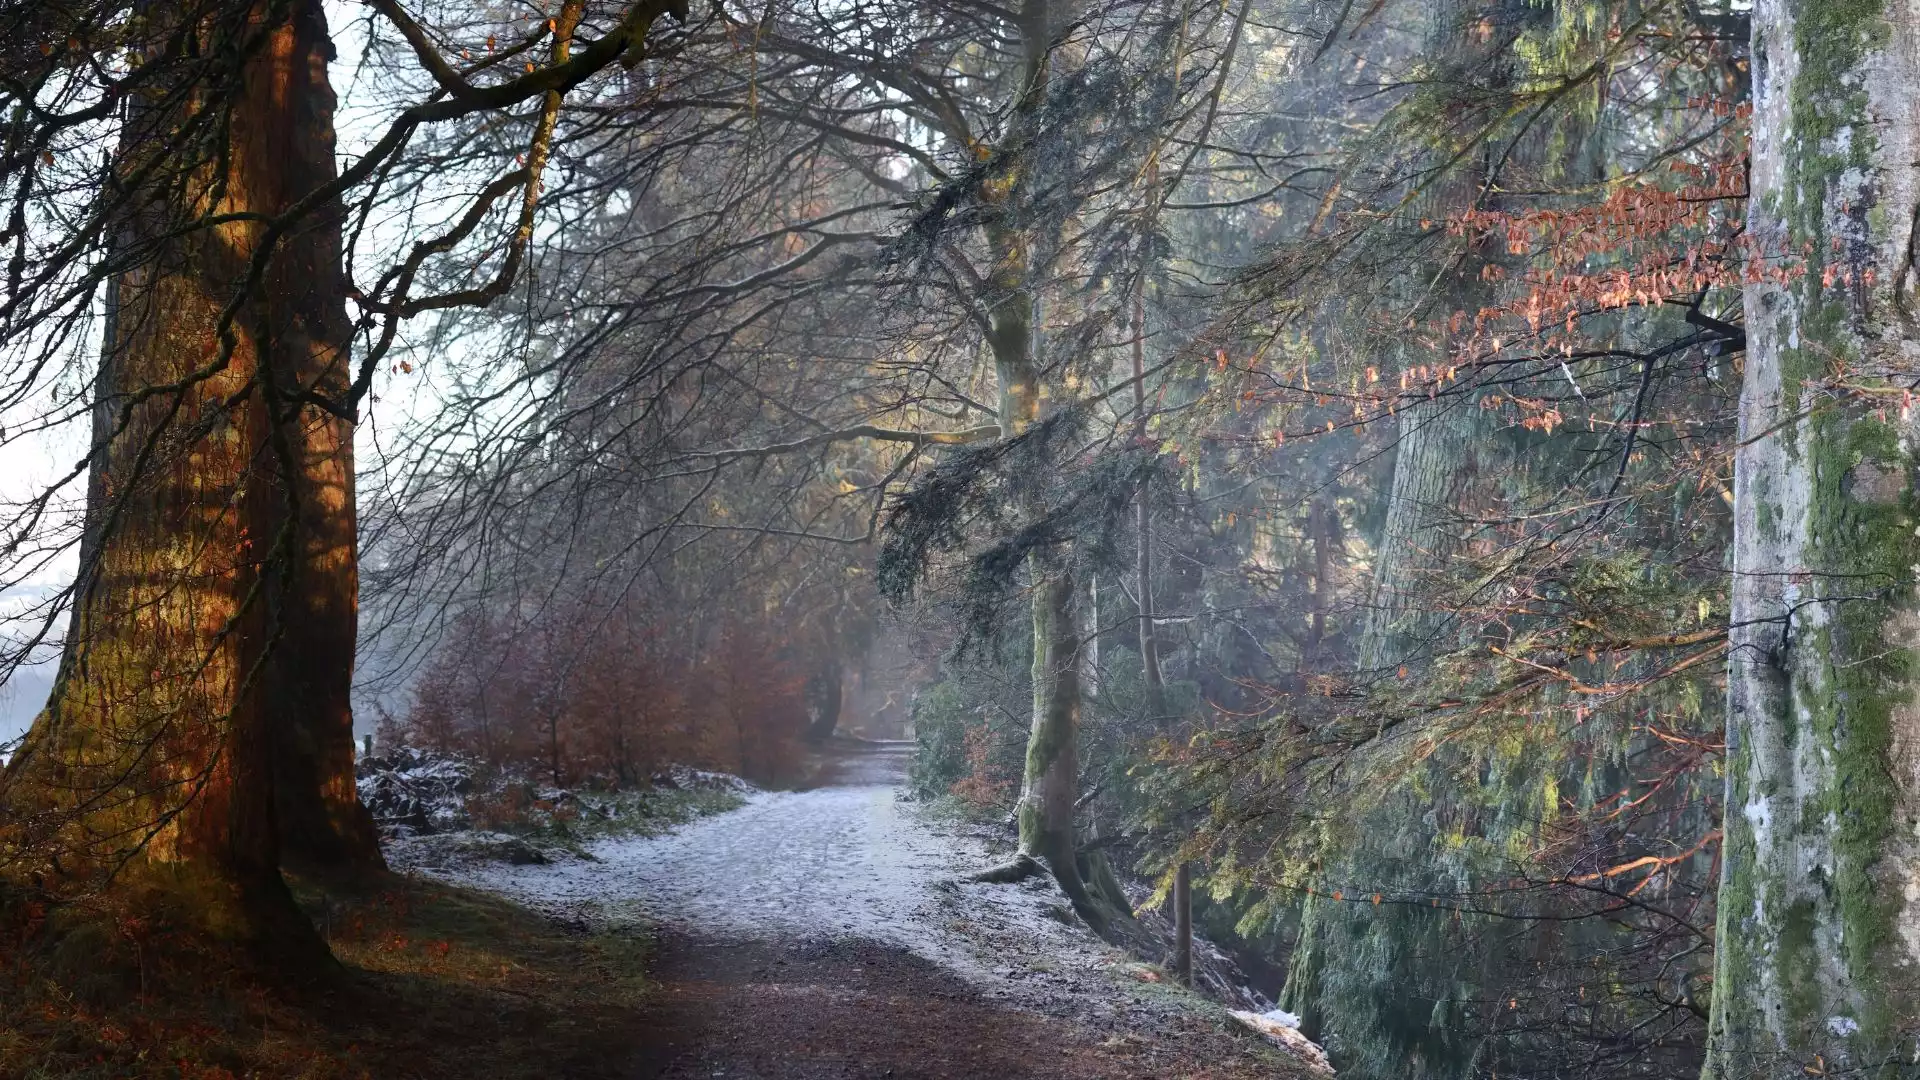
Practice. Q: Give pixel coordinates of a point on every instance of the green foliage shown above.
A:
(940, 732)
(971, 736)
(988, 508)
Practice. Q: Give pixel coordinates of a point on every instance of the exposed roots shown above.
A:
(1103, 906)
(1020, 869)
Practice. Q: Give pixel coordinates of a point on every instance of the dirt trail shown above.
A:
(823, 934)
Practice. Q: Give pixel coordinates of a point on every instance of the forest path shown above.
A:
(823, 934)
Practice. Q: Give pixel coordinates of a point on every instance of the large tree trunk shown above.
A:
(1051, 782)
(1335, 977)
(310, 674)
(154, 765)
(1817, 965)
(1432, 461)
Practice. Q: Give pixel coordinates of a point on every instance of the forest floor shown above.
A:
(432, 982)
(828, 933)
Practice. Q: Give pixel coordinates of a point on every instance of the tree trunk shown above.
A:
(153, 766)
(1817, 964)
(828, 692)
(1050, 784)
(309, 677)
(1151, 675)
(1437, 438)
(1341, 950)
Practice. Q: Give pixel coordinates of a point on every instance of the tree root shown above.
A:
(1020, 869)
(1103, 907)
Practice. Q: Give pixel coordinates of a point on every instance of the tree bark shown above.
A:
(310, 675)
(154, 764)
(1437, 438)
(1050, 782)
(1817, 965)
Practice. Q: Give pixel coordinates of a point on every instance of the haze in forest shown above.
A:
(959, 538)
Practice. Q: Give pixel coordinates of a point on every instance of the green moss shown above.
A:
(1860, 551)
(1831, 131)
(1050, 610)
(1798, 960)
(1865, 549)
(1733, 935)
(1832, 38)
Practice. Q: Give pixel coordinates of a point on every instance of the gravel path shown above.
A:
(848, 869)
(848, 858)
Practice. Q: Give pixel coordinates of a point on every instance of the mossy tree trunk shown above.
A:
(212, 635)
(1051, 782)
(1817, 965)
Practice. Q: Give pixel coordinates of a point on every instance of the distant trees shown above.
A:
(915, 208)
(1533, 699)
(1505, 821)
(611, 697)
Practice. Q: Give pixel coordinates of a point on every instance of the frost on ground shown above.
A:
(855, 861)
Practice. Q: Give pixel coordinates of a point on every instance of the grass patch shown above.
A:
(588, 816)
(435, 983)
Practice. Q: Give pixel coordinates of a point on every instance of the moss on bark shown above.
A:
(1813, 970)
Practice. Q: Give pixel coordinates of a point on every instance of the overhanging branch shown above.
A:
(861, 431)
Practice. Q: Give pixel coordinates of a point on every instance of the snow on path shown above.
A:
(856, 861)
(830, 862)
(825, 862)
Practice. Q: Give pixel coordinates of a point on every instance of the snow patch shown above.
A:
(412, 792)
(1282, 1028)
(444, 813)
(682, 776)
(1283, 1018)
